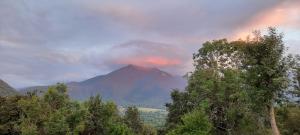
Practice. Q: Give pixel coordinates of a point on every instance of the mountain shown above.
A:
(6, 90)
(128, 85)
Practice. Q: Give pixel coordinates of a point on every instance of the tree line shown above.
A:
(55, 113)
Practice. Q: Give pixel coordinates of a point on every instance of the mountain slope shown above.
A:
(129, 85)
(6, 90)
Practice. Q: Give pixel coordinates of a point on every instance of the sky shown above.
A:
(47, 41)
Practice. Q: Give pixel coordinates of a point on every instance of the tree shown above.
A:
(180, 105)
(34, 113)
(193, 123)
(56, 124)
(133, 121)
(10, 113)
(56, 96)
(266, 73)
(120, 129)
(102, 118)
(241, 82)
(95, 119)
(216, 82)
(75, 114)
(54, 113)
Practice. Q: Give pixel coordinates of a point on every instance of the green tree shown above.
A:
(217, 82)
(133, 121)
(100, 116)
(193, 123)
(35, 113)
(266, 73)
(75, 114)
(95, 119)
(120, 129)
(180, 105)
(56, 124)
(10, 114)
(57, 96)
(54, 113)
(240, 81)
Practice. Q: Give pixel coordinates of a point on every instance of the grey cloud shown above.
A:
(42, 42)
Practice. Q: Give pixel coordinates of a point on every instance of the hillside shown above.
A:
(128, 85)
(6, 90)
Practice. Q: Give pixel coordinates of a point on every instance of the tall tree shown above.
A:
(94, 123)
(266, 68)
(217, 83)
(241, 81)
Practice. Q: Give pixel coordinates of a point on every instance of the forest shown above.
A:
(242, 87)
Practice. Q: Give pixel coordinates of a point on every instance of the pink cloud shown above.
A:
(172, 58)
(285, 14)
(155, 61)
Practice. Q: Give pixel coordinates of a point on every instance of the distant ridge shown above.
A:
(131, 84)
(6, 89)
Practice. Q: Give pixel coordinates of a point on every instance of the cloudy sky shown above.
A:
(46, 41)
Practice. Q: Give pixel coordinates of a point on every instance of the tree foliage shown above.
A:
(54, 113)
(237, 84)
(193, 123)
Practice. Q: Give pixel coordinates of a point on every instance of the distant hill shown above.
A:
(128, 85)
(6, 90)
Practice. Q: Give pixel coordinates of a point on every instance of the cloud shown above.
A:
(170, 57)
(283, 15)
(42, 42)
(150, 61)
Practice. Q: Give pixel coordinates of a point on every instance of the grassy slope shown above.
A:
(6, 90)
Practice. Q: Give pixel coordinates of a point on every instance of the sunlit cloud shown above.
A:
(152, 61)
(284, 15)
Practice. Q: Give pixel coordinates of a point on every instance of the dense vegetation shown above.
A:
(235, 88)
(55, 114)
(241, 87)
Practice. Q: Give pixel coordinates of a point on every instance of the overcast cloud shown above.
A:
(46, 41)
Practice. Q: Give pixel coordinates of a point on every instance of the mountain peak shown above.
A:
(136, 67)
(129, 85)
(151, 70)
